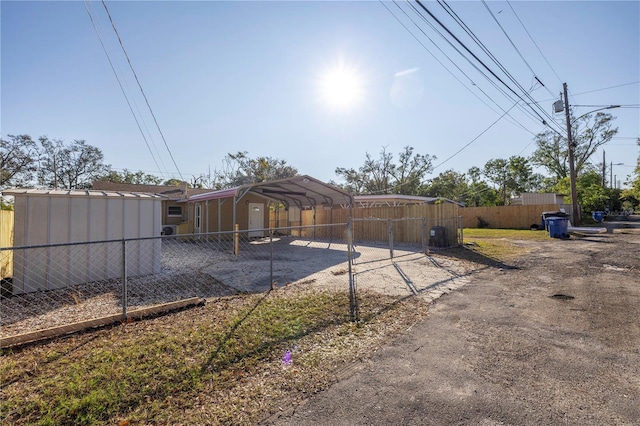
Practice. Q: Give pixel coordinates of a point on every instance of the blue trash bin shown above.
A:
(597, 216)
(558, 227)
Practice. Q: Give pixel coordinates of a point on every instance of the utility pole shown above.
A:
(611, 178)
(604, 170)
(575, 219)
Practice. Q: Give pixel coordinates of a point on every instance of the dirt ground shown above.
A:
(555, 339)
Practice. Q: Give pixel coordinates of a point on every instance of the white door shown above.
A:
(197, 220)
(256, 219)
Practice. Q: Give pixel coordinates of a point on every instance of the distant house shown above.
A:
(173, 212)
(535, 198)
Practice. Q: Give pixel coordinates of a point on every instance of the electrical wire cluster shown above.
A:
(454, 39)
(96, 17)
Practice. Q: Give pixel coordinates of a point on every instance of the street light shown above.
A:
(575, 216)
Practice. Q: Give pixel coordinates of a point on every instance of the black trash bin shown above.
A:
(438, 236)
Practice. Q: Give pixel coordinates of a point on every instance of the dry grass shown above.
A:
(501, 244)
(216, 364)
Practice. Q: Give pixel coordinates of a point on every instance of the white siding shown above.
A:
(80, 217)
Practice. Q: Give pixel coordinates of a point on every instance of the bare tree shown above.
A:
(18, 160)
(71, 167)
(384, 176)
(240, 169)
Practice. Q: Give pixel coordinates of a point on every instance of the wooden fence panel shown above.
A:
(6, 240)
(377, 228)
(506, 217)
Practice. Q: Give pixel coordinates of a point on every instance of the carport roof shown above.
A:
(301, 191)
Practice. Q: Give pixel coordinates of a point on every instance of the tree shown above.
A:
(173, 182)
(496, 171)
(632, 195)
(18, 160)
(139, 178)
(511, 177)
(74, 166)
(449, 184)
(383, 176)
(589, 132)
(239, 169)
(479, 193)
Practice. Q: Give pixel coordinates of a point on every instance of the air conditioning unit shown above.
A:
(169, 229)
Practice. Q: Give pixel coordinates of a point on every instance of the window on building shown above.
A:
(174, 211)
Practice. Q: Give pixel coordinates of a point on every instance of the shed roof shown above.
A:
(79, 193)
(171, 191)
(301, 191)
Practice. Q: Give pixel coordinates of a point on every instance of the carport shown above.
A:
(302, 192)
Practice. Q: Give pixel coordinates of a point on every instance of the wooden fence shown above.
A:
(371, 223)
(6, 240)
(506, 217)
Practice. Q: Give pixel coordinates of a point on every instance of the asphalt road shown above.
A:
(555, 340)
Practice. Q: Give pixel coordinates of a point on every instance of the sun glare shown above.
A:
(341, 87)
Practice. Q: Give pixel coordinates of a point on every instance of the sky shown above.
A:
(318, 84)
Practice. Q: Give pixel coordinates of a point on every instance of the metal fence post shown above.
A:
(425, 241)
(390, 230)
(273, 286)
(124, 279)
(353, 303)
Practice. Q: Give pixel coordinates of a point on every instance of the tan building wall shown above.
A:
(212, 222)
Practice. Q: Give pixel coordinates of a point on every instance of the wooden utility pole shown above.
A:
(604, 170)
(611, 183)
(575, 217)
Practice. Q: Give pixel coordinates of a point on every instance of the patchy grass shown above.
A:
(501, 244)
(512, 234)
(216, 364)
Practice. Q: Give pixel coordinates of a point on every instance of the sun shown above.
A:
(341, 87)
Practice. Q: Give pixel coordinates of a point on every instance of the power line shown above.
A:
(482, 46)
(476, 138)
(602, 106)
(120, 84)
(493, 83)
(141, 90)
(515, 122)
(514, 46)
(534, 42)
(607, 88)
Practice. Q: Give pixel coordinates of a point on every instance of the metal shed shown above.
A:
(46, 221)
(212, 211)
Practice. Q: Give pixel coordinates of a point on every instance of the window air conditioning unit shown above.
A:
(169, 229)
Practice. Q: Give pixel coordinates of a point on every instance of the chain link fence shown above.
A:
(64, 285)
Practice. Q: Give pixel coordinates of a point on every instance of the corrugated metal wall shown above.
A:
(67, 219)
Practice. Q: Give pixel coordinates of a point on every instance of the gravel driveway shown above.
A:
(555, 340)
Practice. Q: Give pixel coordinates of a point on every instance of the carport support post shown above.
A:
(124, 279)
(236, 239)
(390, 230)
(219, 222)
